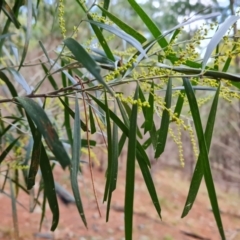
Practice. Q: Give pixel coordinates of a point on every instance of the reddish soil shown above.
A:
(172, 187)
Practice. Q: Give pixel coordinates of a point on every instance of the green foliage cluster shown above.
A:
(164, 74)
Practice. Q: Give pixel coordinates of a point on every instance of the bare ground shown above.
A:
(172, 187)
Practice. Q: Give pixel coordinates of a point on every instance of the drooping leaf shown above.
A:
(8, 149)
(113, 170)
(179, 104)
(75, 162)
(92, 122)
(149, 23)
(198, 171)
(71, 112)
(28, 32)
(34, 163)
(43, 209)
(149, 183)
(163, 131)
(10, 86)
(118, 32)
(4, 130)
(109, 176)
(14, 212)
(50, 77)
(21, 80)
(148, 125)
(49, 187)
(130, 171)
(8, 11)
(109, 144)
(44, 50)
(203, 156)
(83, 57)
(115, 153)
(149, 119)
(40, 118)
(125, 27)
(101, 39)
(121, 143)
(123, 128)
(36, 154)
(229, 59)
(129, 111)
(67, 122)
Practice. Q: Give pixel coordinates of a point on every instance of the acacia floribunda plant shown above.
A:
(164, 73)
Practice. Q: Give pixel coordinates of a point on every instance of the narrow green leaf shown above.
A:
(39, 117)
(84, 142)
(149, 183)
(115, 153)
(101, 40)
(163, 131)
(15, 11)
(85, 59)
(11, 88)
(43, 210)
(67, 122)
(229, 59)
(28, 32)
(109, 173)
(35, 159)
(20, 79)
(50, 78)
(44, 51)
(175, 34)
(16, 178)
(1, 4)
(125, 27)
(46, 170)
(203, 156)
(123, 128)
(49, 187)
(179, 104)
(198, 171)
(106, 4)
(149, 23)
(75, 162)
(8, 149)
(149, 111)
(8, 11)
(72, 114)
(152, 131)
(217, 38)
(130, 172)
(14, 212)
(36, 154)
(92, 122)
(113, 170)
(109, 142)
(121, 143)
(5, 129)
(118, 32)
(129, 111)
(123, 112)
(216, 59)
(18, 183)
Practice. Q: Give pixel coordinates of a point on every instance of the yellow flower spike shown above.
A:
(61, 18)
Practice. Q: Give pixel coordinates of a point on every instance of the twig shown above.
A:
(90, 160)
